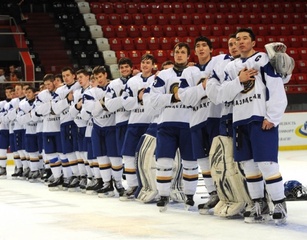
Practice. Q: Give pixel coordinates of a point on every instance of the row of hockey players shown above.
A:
(179, 118)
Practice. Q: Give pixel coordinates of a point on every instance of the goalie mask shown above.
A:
(294, 189)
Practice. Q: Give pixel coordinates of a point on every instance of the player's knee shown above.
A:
(164, 163)
(250, 168)
(269, 169)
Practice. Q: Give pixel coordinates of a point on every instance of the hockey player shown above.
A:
(83, 78)
(104, 136)
(138, 119)
(259, 103)
(206, 115)
(4, 132)
(173, 130)
(60, 105)
(113, 102)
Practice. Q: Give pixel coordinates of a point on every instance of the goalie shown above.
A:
(227, 174)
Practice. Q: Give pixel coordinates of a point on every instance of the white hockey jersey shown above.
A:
(24, 116)
(172, 113)
(255, 100)
(192, 93)
(113, 100)
(130, 99)
(60, 104)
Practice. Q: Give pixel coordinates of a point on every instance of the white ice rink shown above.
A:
(29, 211)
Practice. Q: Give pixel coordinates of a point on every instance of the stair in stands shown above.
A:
(47, 43)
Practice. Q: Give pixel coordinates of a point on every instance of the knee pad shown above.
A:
(250, 168)
(269, 169)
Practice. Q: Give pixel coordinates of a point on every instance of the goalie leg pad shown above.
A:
(177, 193)
(228, 177)
(146, 169)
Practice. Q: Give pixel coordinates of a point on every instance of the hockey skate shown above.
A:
(280, 213)
(119, 187)
(107, 190)
(56, 185)
(96, 185)
(46, 174)
(83, 183)
(2, 172)
(128, 194)
(73, 184)
(189, 202)
(258, 212)
(162, 203)
(204, 208)
(17, 173)
(25, 174)
(34, 176)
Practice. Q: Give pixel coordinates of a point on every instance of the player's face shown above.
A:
(101, 79)
(202, 50)
(83, 80)
(68, 77)
(244, 43)
(181, 55)
(232, 48)
(146, 66)
(18, 91)
(8, 93)
(30, 95)
(125, 70)
(49, 85)
(93, 82)
(57, 82)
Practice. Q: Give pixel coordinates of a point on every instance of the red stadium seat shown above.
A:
(276, 18)
(296, 29)
(262, 29)
(107, 7)
(96, 7)
(243, 19)
(245, 7)
(260, 41)
(232, 18)
(301, 78)
(128, 44)
(298, 18)
(301, 65)
(211, 7)
(108, 31)
(287, 18)
(189, 40)
(169, 31)
(122, 54)
(153, 43)
(276, 7)
(177, 7)
(150, 19)
(215, 41)
(176, 40)
(140, 43)
(304, 29)
(283, 39)
(222, 7)
(157, 30)
(220, 18)
(153, 8)
(166, 43)
(256, 7)
(197, 18)
(144, 8)
(135, 56)
(131, 8)
(170, 54)
(208, 19)
(119, 7)
(270, 39)
(121, 31)
(285, 29)
(115, 19)
(205, 30)
(192, 30)
(174, 19)
(186, 19)
(253, 18)
(133, 31)
(267, 7)
(188, 7)
(126, 19)
(102, 19)
(303, 41)
(228, 29)
(300, 7)
(288, 7)
(273, 30)
(138, 19)
(302, 52)
(115, 44)
(223, 42)
(200, 7)
(145, 31)
(294, 42)
(160, 55)
(162, 19)
(217, 30)
(233, 7)
(166, 8)
(181, 30)
(293, 52)
(264, 18)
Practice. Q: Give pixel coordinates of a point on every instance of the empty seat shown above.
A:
(162, 19)
(205, 30)
(135, 56)
(121, 31)
(188, 7)
(84, 7)
(301, 65)
(128, 44)
(220, 18)
(200, 7)
(253, 18)
(192, 31)
(222, 7)
(89, 19)
(97, 59)
(153, 43)
(119, 7)
(138, 19)
(131, 7)
(302, 52)
(232, 18)
(209, 19)
(126, 19)
(140, 43)
(166, 7)
(174, 19)
(256, 7)
(109, 57)
(169, 31)
(181, 30)
(294, 42)
(228, 29)
(233, 7)
(294, 53)
(122, 54)
(197, 19)
(96, 7)
(273, 30)
(145, 31)
(107, 7)
(166, 43)
(301, 78)
(276, 18)
(217, 30)
(151, 8)
(243, 18)
(102, 44)
(115, 44)
(84, 59)
(150, 19)
(160, 55)
(211, 7)
(262, 29)
(260, 41)
(115, 19)
(177, 7)
(96, 31)
(102, 19)
(108, 31)
(133, 31)
(285, 29)
(90, 45)
(157, 31)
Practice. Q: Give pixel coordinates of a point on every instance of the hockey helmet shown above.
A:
(294, 189)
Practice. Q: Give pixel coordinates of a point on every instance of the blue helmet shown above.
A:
(294, 189)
